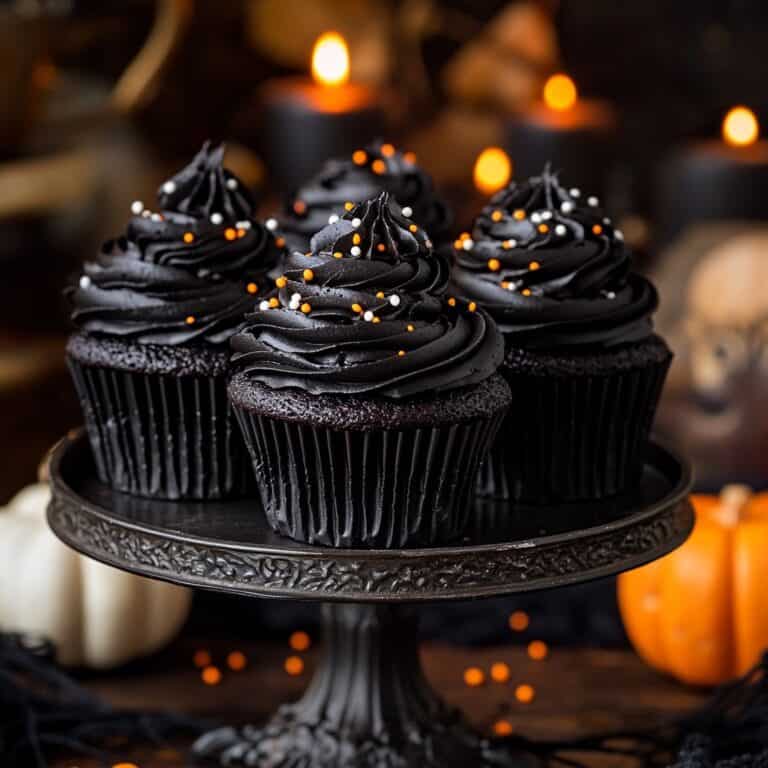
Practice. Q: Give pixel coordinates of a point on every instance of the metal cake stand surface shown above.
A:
(368, 705)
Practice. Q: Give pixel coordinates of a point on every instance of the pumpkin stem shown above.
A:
(733, 502)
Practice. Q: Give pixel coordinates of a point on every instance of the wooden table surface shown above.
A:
(577, 691)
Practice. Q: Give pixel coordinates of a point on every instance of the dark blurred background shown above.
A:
(101, 101)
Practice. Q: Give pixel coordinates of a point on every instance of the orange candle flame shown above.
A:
(493, 170)
(330, 60)
(560, 92)
(740, 127)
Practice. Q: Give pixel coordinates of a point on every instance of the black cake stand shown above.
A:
(368, 705)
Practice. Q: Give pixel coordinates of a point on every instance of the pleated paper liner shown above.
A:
(162, 436)
(573, 438)
(376, 488)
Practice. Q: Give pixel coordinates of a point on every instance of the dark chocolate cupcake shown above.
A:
(582, 360)
(345, 182)
(155, 311)
(366, 397)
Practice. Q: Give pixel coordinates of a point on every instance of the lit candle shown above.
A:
(722, 179)
(572, 134)
(303, 122)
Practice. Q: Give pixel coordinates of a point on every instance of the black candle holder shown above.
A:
(369, 705)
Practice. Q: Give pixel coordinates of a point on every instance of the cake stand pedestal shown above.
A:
(368, 705)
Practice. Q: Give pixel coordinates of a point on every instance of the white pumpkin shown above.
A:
(96, 615)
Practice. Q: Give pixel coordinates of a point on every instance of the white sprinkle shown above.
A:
(468, 244)
(545, 215)
(567, 206)
(216, 218)
(428, 243)
(264, 306)
(85, 282)
(394, 300)
(407, 211)
(294, 304)
(296, 297)
(231, 183)
(560, 229)
(137, 207)
(575, 192)
(271, 224)
(592, 200)
(606, 220)
(156, 217)
(368, 315)
(245, 224)
(169, 187)
(146, 213)
(355, 250)
(535, 217)
(610, 295)
(511, 287)
(356, 222)
(203, 272)
(512, 243)
(618, 234)
(333, 218)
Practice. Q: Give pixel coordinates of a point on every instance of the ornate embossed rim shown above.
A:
(314, 573)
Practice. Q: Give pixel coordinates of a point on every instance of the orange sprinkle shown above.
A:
(281, 282)
(237, 661)
(543, 228)
(299, 206)
(356, 307)
(348, 206)
(494, 265)
(519, 214)
(413, 228)
(503, 728)
(381, 247)
(300, 641)
(359, 157)
(306, 308)
(387, 150)
(464, 236)
(202, 658)
(356, 239)
(125, 765)
(401, 353)
(506, 245)
(472, 306)
(526, 291)
(410, 328)
(337, 254)
(378, 167)
(451, 302)
(519, 621)
(597, 229)
(496, 215)
(188, 237)
(376, 319)
(274, 303)
(525, 693)
(190, 320)
(379, 294)
(500, 672)
(533, 266)
(457, 244)
(505, 284)
(230, 233)
(252, 288)
(294, 665)
(474, 677)
(538, 650)
(308, 274)
(280, 242)
(211, 675)
(242, 232)
(409, 157)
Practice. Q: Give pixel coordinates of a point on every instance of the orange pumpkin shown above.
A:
(700, 614)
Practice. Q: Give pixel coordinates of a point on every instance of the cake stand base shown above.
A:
(368, 706)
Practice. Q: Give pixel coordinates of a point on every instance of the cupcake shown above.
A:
(345, 182)
(368, 398)
(154, 311)
(583, 363)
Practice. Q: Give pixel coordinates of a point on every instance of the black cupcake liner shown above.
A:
(370, 488)
(573, 438)
(162, 436)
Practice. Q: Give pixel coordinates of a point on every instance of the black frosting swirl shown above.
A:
(188, 273)
(552, 270)
(365, 312)
(378, 167)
